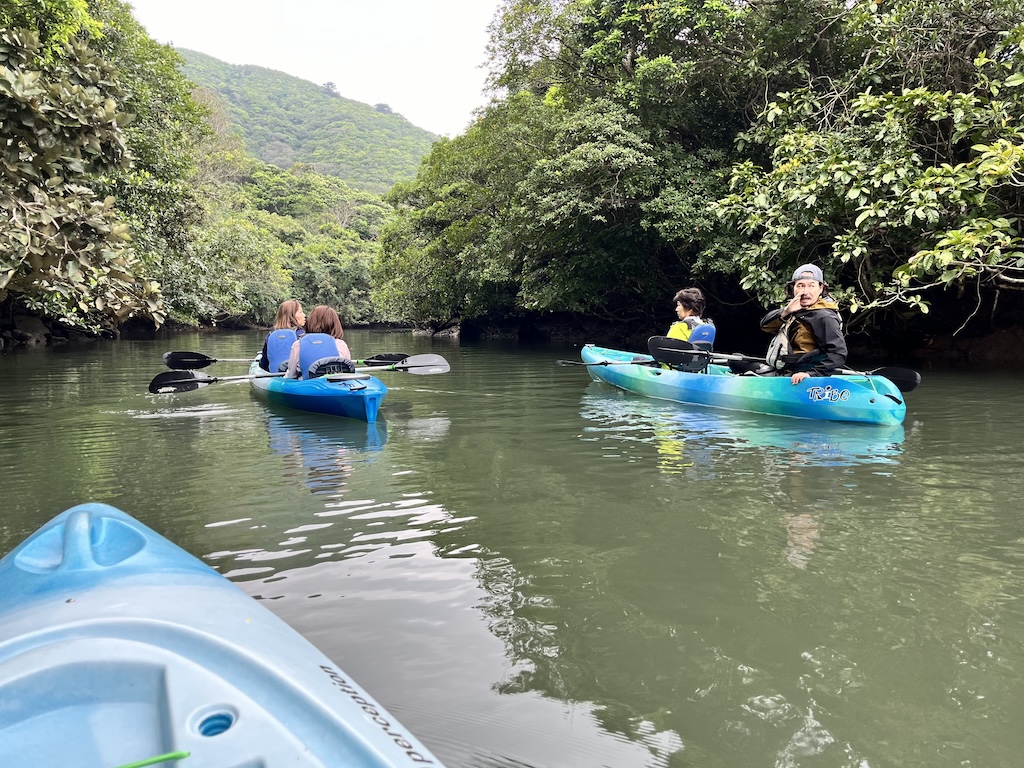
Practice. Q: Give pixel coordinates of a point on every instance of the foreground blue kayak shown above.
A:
(354, 396)
(856, 398)
(118, 648)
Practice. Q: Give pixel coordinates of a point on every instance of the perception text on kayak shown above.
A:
(370, 708)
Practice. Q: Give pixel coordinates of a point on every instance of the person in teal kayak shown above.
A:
(809, 339)
(288, 326)
(323, 339)
(689, 308)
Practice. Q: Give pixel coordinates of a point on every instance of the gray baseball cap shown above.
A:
(808, 272)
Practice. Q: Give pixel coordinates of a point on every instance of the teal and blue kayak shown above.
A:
(855, 397)
(118, 648)
(354, 396)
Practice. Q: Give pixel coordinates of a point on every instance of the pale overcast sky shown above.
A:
(420, 57)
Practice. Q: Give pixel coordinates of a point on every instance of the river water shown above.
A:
(532, 569)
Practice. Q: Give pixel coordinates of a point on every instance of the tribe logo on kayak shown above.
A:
(828, 394)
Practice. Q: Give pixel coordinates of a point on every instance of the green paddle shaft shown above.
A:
(157, 760)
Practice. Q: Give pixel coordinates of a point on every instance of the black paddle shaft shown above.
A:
(192, 360)
(187, 381)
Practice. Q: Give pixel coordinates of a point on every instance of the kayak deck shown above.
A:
(116, 646)
(854, 398)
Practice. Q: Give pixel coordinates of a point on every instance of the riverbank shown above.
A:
(998, 350)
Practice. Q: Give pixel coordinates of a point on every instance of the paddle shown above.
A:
(674, 351)
(193, 360)
(188, 381)
(420, 365)
(642, 361)
(157, 760)
(187, 360)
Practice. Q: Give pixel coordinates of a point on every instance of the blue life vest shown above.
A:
(279, 348)
(313, 347)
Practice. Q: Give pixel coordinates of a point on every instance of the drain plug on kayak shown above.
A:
(216, 723)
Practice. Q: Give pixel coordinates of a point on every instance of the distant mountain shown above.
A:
(287, 120)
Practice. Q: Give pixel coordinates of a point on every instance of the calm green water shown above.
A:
(531, 569)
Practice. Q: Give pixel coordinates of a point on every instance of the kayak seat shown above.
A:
(703, 337)
(326, 365)
(697, 362)
(683, 356)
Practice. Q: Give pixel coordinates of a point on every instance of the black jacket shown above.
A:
(817, 343)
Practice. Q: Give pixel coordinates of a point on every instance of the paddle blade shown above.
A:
(422, 365)
(178, 381)
(187, 360)
(905, 379)
(385, 358)
(190, 360)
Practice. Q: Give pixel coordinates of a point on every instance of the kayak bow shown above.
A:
(117, 646)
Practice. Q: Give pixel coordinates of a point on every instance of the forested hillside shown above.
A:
(285, 120)
(126, 194)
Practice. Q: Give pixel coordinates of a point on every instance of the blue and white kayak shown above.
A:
(855, 397)
(118, 648)
(352, 395)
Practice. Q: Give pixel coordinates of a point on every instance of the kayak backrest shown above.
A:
(703, 337)
(279, 348)
(314, 347)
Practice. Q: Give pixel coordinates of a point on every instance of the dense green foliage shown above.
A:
(285, 120)
(283, 234)
(106, 129)
(268, 235)
(643, 144)
(63, 249)
(154, 192)
(903, 175)
(55, 22)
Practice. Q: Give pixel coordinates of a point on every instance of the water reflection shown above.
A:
(333, 490)
(319, 452)
(427, 429)
(691, 438)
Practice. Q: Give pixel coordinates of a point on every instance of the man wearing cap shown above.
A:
(809, 338)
